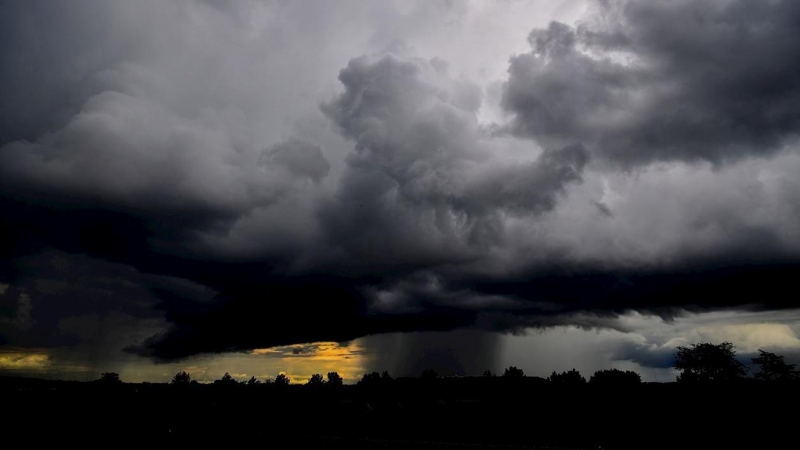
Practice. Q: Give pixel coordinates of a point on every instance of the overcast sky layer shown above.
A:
(255, 186)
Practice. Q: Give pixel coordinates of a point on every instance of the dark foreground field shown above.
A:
(460, 413)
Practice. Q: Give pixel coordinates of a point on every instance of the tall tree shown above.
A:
(315, 380)
(772, 367)
(334, 379)
(182, 378)
(706, 362)
(281, 380)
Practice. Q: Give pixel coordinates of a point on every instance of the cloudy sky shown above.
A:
(258, 187)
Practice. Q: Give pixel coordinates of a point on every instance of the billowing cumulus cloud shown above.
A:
(205, 177)
(424, 175)
(300, 158)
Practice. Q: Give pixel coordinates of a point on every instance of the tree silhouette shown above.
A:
(110, 378)
(253, 381)
(706, 362)
(513, 372)
(315, 380)
(281, 380)
(488, 374)
(572, 377)
(615, 377)
(181, 378)
(772, 367)
(226, 380)
(334, 379)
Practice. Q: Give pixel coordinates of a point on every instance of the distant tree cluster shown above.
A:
(375, 379)
(513, 372)
(572, 377)
(333, 379)
(111, 378)
(615, 377)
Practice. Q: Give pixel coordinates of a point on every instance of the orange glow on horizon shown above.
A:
(300, 361)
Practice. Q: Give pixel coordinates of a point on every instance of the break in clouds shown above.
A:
(200, 177)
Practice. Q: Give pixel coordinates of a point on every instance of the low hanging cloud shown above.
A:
(231, 193)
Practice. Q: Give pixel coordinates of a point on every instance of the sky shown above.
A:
(263, 187)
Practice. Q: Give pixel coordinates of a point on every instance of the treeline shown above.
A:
(703, 362)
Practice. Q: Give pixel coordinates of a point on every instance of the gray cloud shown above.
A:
(645, 81)
(420, 153)
(645, 356)
(299, 157)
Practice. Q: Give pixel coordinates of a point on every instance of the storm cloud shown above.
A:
(641, 82)
(235, 176)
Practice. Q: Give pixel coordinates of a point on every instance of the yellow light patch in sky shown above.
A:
(24, 360)
(750, 337)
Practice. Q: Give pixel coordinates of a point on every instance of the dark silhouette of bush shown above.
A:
(281, 380)
(772, 367)
(573, 377)
(334, 379)
(109, 378)
(316, 380)
(488, 374)
(181, 378)
(615, 377)
(513, 372)
(706, 362)
(253, 381)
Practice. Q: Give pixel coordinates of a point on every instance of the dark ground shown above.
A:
(464, 413)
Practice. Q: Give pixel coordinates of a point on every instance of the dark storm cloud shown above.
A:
(648, 81)
(44, 84)
(160, 166)
(67, 303)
